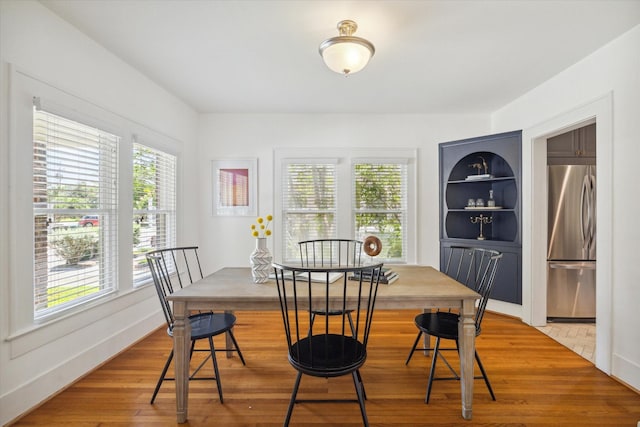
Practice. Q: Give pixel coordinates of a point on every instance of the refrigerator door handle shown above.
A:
(587, 265)
(592, 216)
(585, 210)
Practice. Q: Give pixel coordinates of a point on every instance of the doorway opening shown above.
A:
(571, 226)
(535, 224)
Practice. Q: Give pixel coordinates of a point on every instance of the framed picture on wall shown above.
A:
(235, 187)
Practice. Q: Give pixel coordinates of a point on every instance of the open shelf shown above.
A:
(459, 190)
(503, 225)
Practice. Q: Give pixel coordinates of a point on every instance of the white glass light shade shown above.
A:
(346, 57)
(346, 54)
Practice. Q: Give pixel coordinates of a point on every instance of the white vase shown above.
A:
(260, 261)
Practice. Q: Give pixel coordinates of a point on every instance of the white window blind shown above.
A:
(75, 212)
(380, 205)
(309, 203)
(154, 206)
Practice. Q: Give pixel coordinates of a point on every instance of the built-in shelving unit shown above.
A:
(471, 169)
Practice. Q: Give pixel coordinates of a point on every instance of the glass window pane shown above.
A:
(309, 204)
(154, 206)
(380, 206)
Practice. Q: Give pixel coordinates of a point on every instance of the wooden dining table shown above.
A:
(232, 289)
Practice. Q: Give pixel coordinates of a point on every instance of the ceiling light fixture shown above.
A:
(346, 54)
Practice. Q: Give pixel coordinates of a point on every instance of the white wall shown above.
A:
(226, 241)
(38, 43)
(611, 76)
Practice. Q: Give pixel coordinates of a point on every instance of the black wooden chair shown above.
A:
(330, 253)
(170, 269)
(457, 266)
(476, 268)
(332, 347)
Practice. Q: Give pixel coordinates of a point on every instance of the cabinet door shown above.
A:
(564, 145)
(507, 286)
(587, 140)
(508, 283)
(577, 143)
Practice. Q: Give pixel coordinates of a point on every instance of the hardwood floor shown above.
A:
(537, 381)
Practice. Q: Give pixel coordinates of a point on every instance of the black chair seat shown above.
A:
(441, 324)
(204, 325)
(327, 355)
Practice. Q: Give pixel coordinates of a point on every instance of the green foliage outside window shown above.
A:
(144, 178)
(380, 204)
(77, 196)
(74, 245)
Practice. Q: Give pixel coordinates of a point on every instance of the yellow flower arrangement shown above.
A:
(262, 228)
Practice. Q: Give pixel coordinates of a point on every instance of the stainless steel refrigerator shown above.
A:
(571, 256)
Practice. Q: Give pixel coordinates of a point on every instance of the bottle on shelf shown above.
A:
(491, 202)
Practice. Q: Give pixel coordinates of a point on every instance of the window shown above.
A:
(349, 196)
(380, 204)
(74, 212)
(154, 206)
(309, 203)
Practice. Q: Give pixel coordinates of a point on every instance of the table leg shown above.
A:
(467, 337)
(181, 347)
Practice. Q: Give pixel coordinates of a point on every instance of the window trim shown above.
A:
(108, 268)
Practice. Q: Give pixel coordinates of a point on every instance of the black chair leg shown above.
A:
(484, 375)
(215, 368)
(433, 369)
(193, 346)
(359, 379)
(360, 392)
(292, 402)
(351, 325)
(235, 344)
(162, 375)
(413, 349)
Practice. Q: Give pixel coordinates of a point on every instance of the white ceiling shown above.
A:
(261, 56)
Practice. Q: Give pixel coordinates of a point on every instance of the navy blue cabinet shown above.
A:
(480, 203)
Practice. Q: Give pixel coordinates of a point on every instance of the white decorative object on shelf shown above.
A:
(477, 177)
